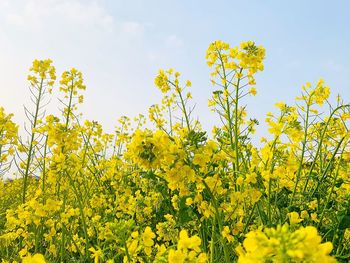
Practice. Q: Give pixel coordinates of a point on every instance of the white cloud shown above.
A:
(4, 3)
(80, 33)
(174, 41)
(335, 66)
(38, 14)
(132, 28)
(15, 19)
(152, 56)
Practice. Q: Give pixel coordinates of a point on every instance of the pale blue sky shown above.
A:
(120, 45)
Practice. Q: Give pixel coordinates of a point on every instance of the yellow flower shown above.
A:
(43, 71)
(252, 91)
(147, 238)
(95, 254)
(226, 234)
(162, 81)
(176, 256)
(189, 201)
(186, 242)
(240, 180)
(280, 244)
(37, 258)
(294, 218)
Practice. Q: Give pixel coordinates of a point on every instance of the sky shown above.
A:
(120, 45)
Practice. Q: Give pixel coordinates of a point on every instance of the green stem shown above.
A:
(44, 168)
(219, 221)
(127, 252)
(31, 144)
(249, 218)
(212, 245)
(319, 147)
(81, 209)
(69, 109)
(302, 151)
(184, 110)
(329, 195)
(236, 123)
(328, 166)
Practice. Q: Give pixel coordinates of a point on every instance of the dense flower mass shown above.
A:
(281, 245)
(8, 139)
(161, 189)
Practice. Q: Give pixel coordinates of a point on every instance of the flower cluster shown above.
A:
(43, 71)
(283, 245)
(188, 250)
(162, 189)
(8, 138)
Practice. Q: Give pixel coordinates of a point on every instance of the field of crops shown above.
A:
(161, 189)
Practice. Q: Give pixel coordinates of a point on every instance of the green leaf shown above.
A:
(344, 222)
